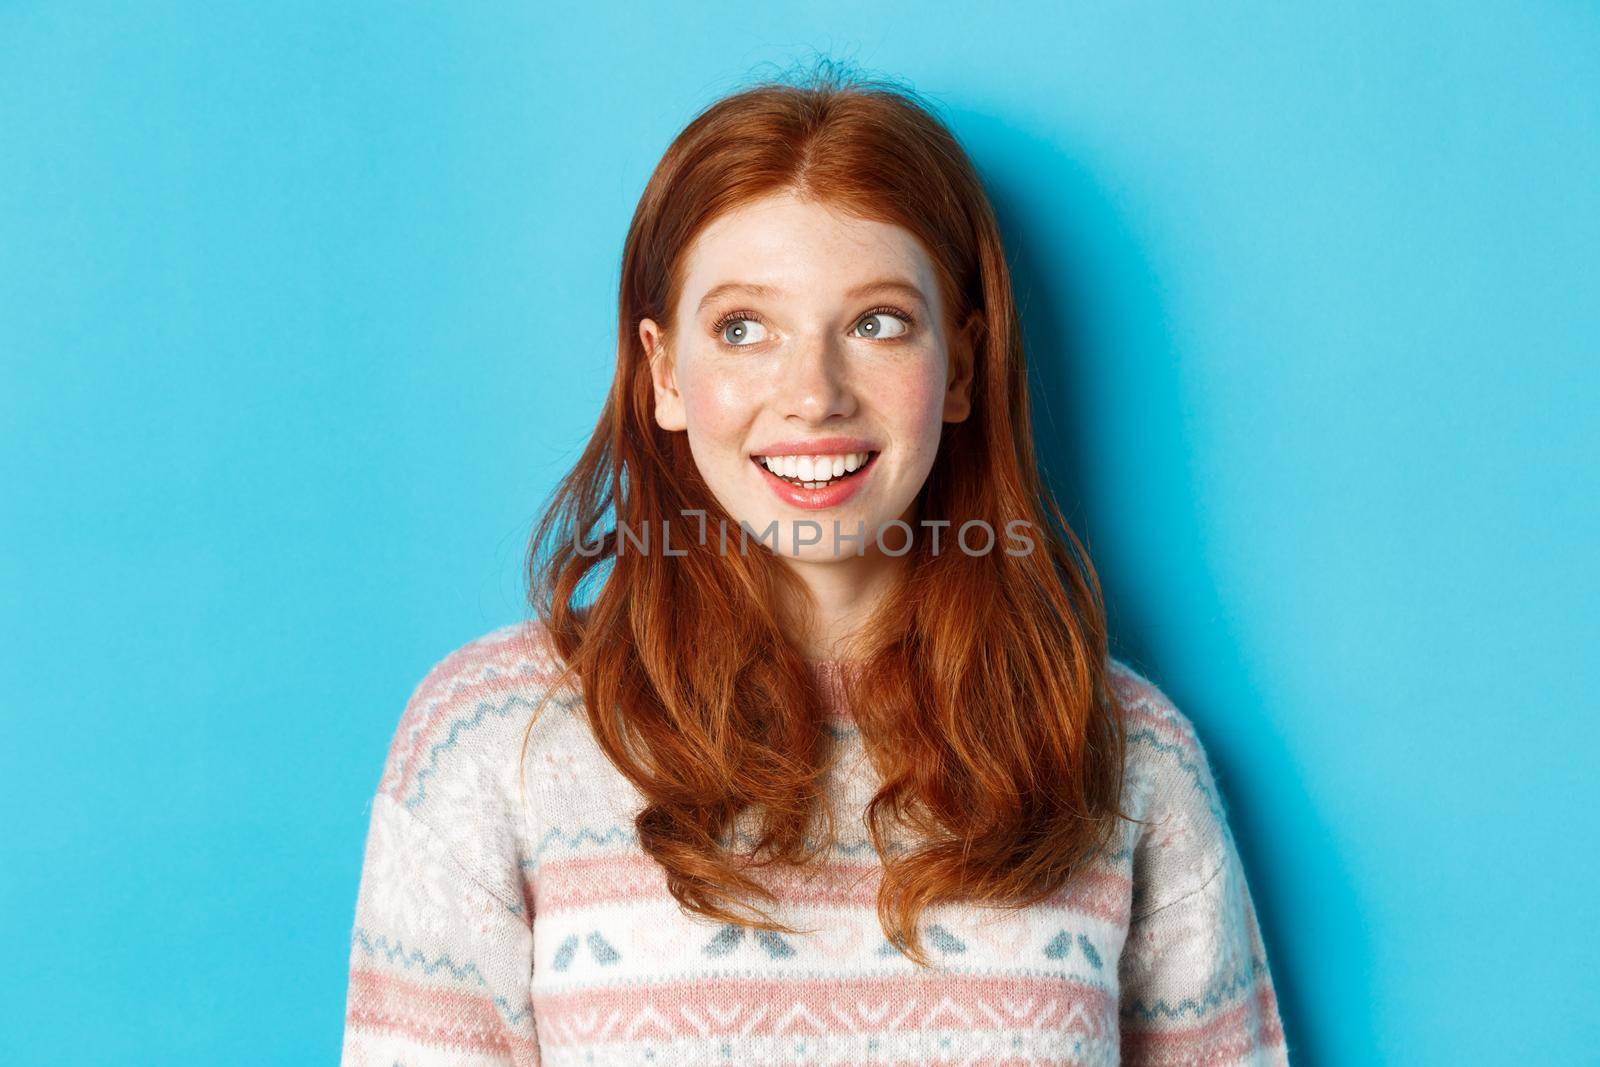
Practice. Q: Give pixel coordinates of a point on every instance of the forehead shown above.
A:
(802, 249)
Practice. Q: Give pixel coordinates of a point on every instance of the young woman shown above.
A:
(813, 751)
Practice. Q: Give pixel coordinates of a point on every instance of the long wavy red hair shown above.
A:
(981, 687)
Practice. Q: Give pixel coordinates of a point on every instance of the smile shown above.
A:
(812, 482)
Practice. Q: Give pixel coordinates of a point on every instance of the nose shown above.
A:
(814, 384)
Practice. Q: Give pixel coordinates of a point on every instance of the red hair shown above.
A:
(981, 688)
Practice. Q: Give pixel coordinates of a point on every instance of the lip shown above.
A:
(830, 496)
(822, 446)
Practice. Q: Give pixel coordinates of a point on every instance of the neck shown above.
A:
(843, 595)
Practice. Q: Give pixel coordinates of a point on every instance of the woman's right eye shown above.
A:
(735, 330)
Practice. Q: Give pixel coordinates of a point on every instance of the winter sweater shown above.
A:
(489, 930)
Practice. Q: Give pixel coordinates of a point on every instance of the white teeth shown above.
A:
(814, 472)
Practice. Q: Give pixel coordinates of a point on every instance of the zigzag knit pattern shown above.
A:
(508, 918)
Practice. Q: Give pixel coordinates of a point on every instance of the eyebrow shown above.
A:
(878, 286)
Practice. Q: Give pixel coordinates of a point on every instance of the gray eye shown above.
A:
(872, 325)
(737, 332)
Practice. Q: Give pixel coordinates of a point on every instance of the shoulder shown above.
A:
(466, 705)
(454, 759)
(1161, 738)
(1171, 785)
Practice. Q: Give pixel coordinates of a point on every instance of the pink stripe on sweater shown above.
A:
(1143, 714)
(626, 878)
(1223, 1039)
(767, 1007)
(500, 647)
(492, 671)
(446, 1017)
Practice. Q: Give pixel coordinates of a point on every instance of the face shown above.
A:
(814, 343)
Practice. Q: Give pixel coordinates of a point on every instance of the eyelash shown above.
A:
(734, 316)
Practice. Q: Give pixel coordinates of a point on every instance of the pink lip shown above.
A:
(822, 446)
(831, 496)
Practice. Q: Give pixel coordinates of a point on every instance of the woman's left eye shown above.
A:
(898, 324)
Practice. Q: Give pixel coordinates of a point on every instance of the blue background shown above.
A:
(304, 310)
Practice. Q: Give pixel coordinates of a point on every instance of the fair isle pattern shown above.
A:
(495, 926)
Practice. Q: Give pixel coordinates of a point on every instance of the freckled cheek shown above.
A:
(916, 405)
(720, 409)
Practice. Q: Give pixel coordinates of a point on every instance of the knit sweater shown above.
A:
(493, 930)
